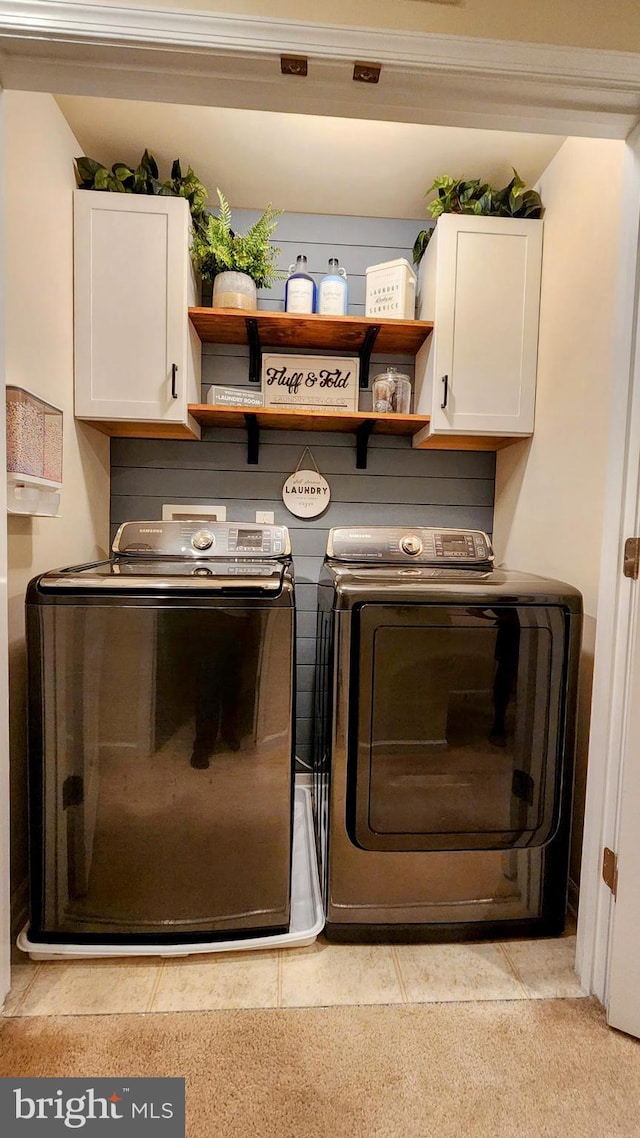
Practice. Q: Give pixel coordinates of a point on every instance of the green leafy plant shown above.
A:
(217, 249)
(145, 179)
(455, 195)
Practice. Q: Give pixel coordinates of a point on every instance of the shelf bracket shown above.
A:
(253, 438)
(255, 350)
(362, 442)
(370, 338)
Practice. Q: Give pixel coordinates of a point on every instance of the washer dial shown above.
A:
(411, 543)
(203, 539)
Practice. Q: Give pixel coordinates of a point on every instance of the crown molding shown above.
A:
(123, 52)
(104, 24)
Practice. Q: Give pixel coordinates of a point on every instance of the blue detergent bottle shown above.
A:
(300, 289)
(333, 293)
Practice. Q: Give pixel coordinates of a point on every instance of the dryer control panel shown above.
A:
(402, 544)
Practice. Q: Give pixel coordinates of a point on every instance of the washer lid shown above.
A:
(237, 576)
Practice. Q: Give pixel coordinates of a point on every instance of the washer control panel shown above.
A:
(397, 544)
(266, 540)
(190, 538)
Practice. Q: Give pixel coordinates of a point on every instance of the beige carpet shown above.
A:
(522, 1069)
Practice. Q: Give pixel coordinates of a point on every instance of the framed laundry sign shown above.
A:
(306, 493)
(307, 383)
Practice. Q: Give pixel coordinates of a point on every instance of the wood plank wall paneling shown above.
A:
(358, 242)
(399, 486)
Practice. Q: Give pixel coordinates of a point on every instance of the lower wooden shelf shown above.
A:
(360, 423)
(276, 418)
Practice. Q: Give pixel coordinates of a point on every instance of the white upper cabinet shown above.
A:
(137, 358)
(479, 282)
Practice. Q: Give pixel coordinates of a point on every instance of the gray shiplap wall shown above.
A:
(399, 486)
(356, 241)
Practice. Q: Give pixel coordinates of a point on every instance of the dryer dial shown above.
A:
(202, 539)
(411, 543)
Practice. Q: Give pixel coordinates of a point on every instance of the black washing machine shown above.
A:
(161, 703)
(443, 757)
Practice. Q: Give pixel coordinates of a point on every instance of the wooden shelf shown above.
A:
(358, 335)
(276, 418)
(324, 333)
(360, 423)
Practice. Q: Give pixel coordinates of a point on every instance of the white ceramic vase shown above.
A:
(234, 290)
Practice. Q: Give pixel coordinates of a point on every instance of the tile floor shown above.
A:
(321, 975)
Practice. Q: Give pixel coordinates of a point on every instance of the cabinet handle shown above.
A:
(174, 369)
(445, 380)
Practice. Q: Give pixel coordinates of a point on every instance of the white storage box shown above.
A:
(391, 290)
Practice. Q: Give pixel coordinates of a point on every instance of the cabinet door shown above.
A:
(487, 306)
(132, 342)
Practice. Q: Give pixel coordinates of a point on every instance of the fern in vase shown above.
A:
(216, 248)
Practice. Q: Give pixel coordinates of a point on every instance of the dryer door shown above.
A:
(456, 729)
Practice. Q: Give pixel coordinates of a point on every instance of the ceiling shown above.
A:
(304, 163)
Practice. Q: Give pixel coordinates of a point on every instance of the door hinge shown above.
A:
(610, 870)
(631, 563)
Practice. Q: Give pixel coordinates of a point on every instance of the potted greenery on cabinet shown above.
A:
(237, 263)
(145, 179)
(455, 195)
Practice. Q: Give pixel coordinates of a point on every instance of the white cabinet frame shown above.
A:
(137, 356)
(479, 282)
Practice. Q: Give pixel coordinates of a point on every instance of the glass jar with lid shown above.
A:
(392, 392)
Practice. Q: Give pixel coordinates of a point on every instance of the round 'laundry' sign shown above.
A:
(306, 493)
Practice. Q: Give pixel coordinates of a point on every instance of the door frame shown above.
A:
(231, 60)
(610, 740)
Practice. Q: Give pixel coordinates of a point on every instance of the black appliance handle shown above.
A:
(174, 369)
(445, 380)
